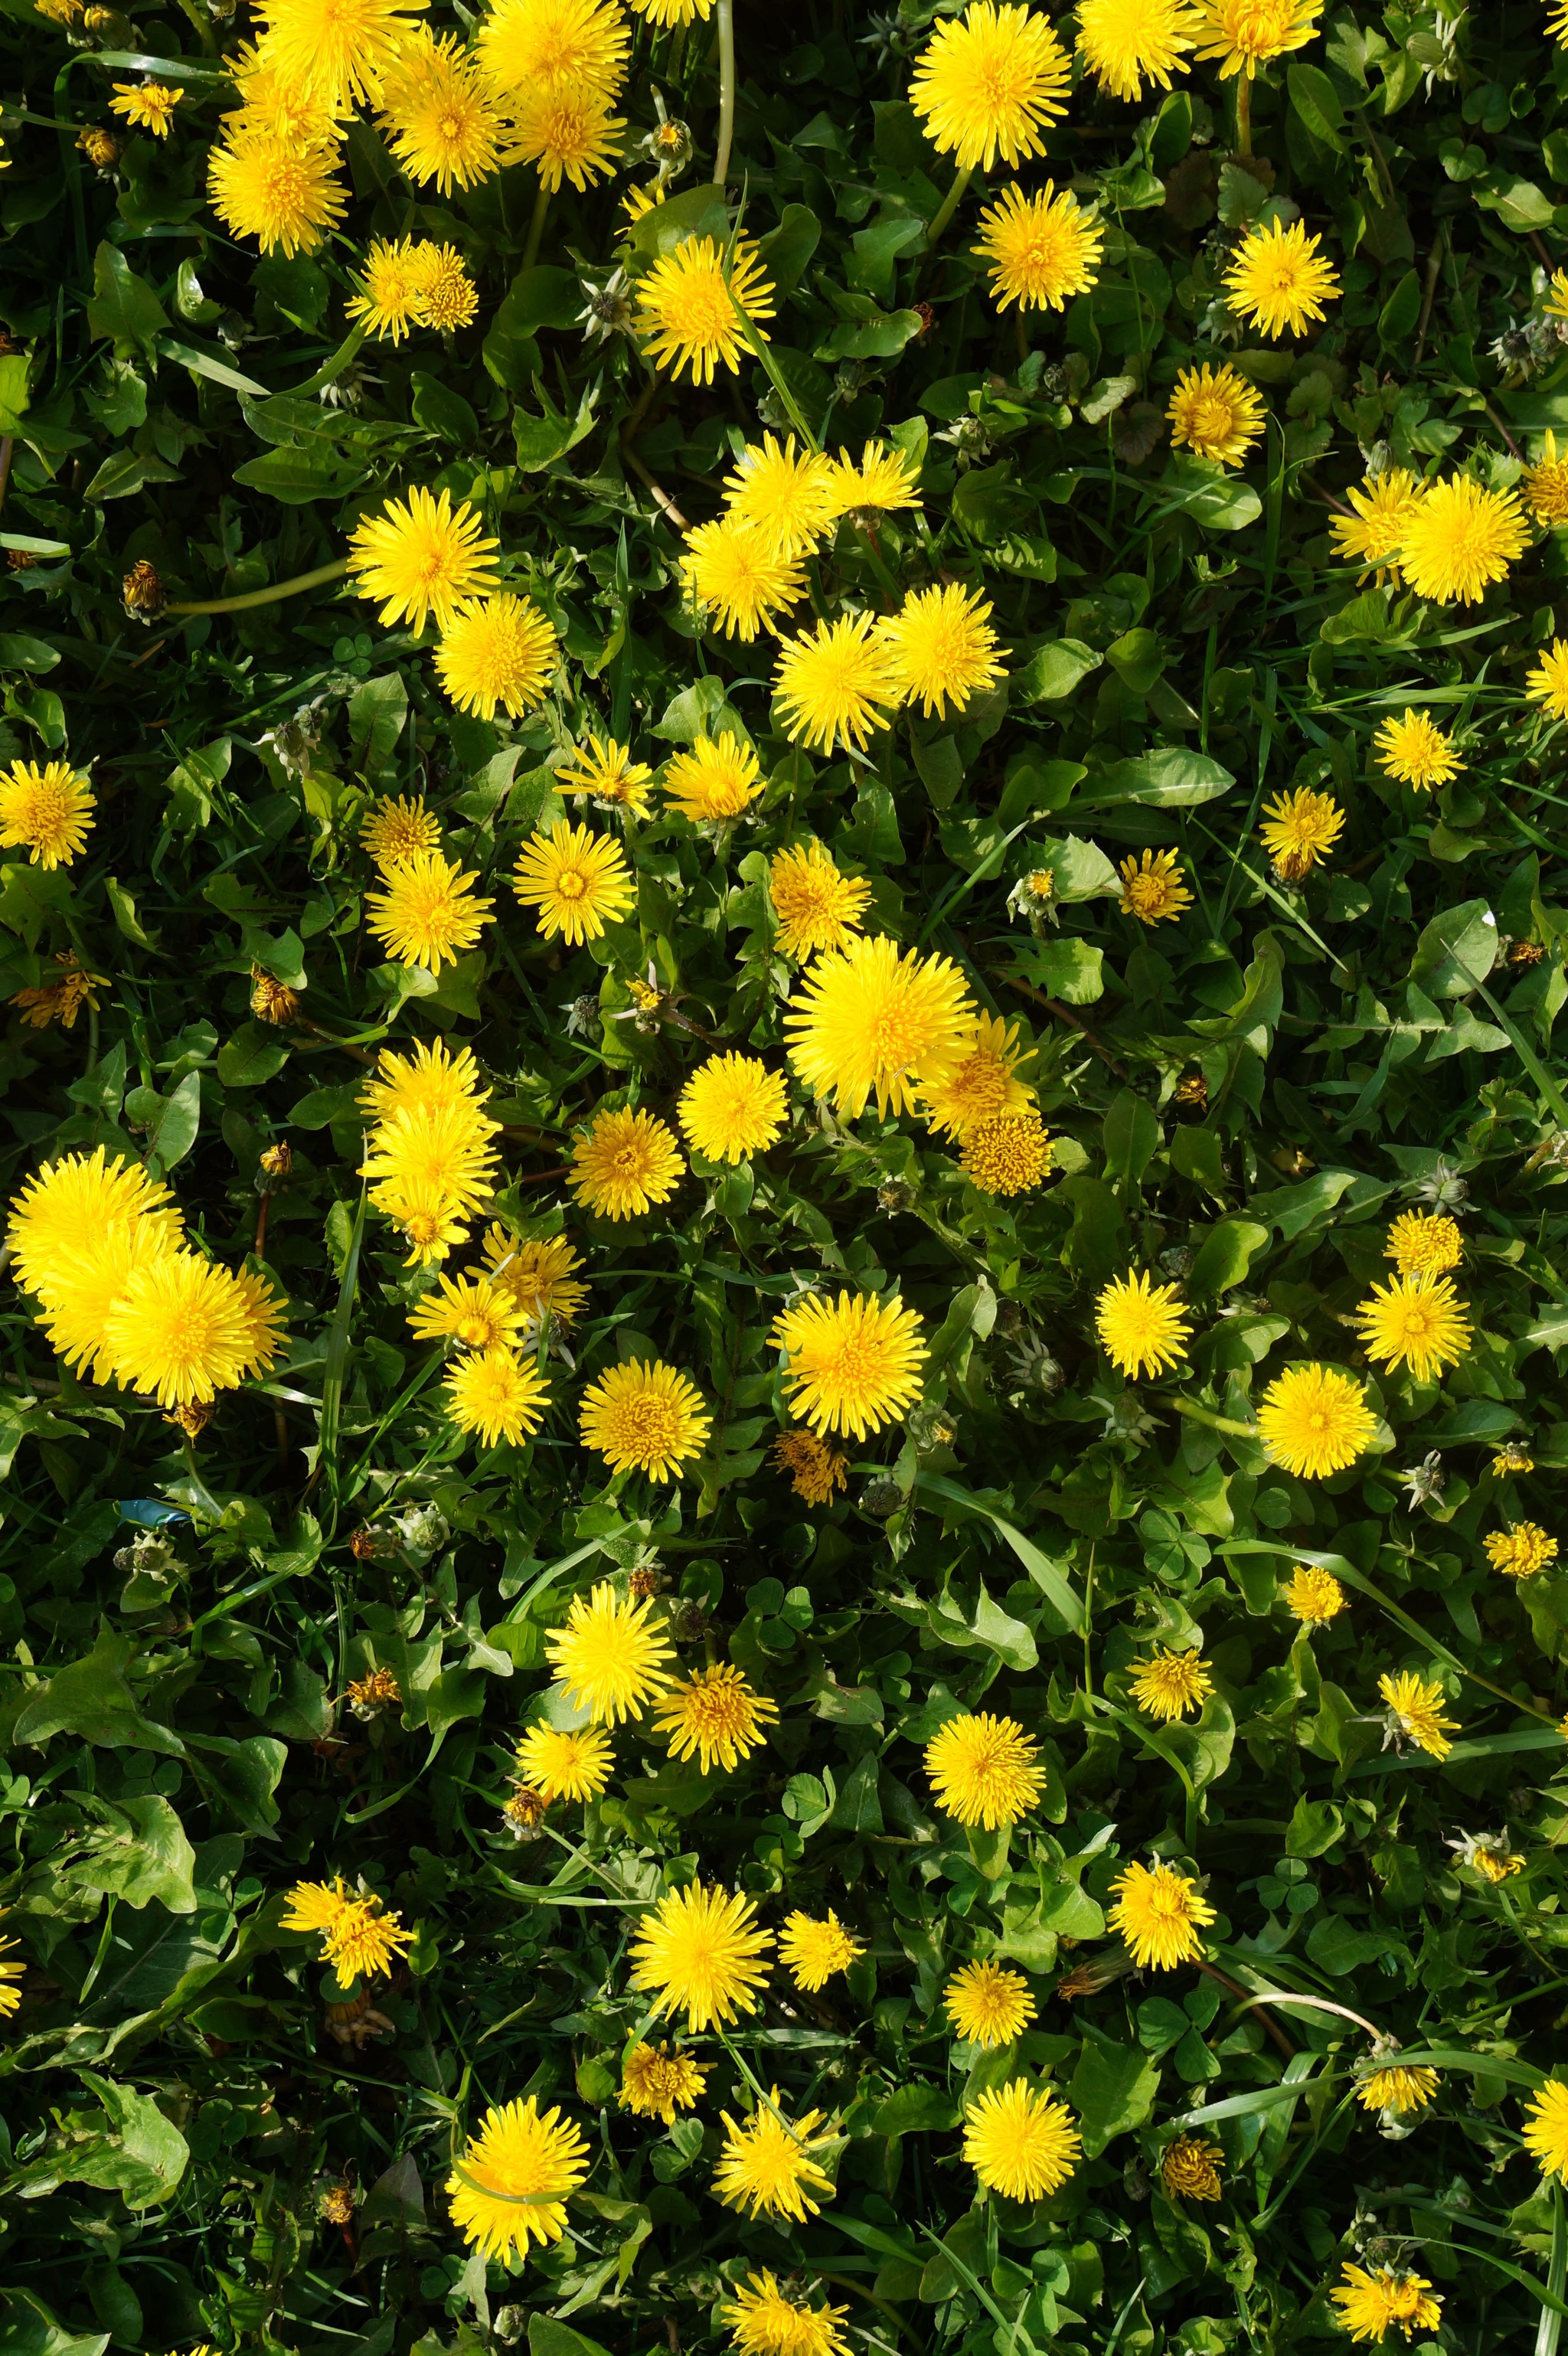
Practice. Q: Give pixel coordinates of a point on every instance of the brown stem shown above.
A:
(1235, 1988)
(260, 1245)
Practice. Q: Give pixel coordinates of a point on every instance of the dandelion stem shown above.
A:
(535, 228)
(948, 208)
(726, 92)
(1206, 1416)
(1243, 114)
(273, 596)
(331, 369)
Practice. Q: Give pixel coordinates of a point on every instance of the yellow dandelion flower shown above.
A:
(1315, 1421)
(62, 1000)
(1415, 751)
(1393, 2086)
(567, 131)
(1043, 249)
(579, 882)
(765, 2167)
(432, 1079)
(1460, 539)
(1416, 1321)
(363, 1941)
(46, 811)
(424, 557)
(510, 2188)
(1511, 1458)
(1421, 1246)
(496, 653)
(699, 1951)
(1415, 1713)
(425, 915)
(1548, 682)
(1168, 1684)
(180, 1330)
(987, 2003)
(316, 1906)
(763, 2321)
(72, 1208)
(1372, 2304)
(436, 114)
(1493, 1863)
(982, 1770)
(832, 683)
(657, 2082)
(987, 84)
(697, 308)
(446, 296)
(1280, 279)
(470, 1310)
(611, 1658)
(815, 907)
(981, 1082)
(1158, 1915)
(813, 1952)
(1520, 1550)
(816, 1470)
(1190, 2169)
(10, 1998)
(715, 781)
(1546, 2129)
(739, 577)
(1241, 35)
(1121, 41)
(1216, 413)
(268, 187)
(1545, 485)
(149, 106)
(536, 1271)
(1153, 891)
(644, 1416)
(83, 1291)
(852, 1365)
(572, 1765)
(731, 1107)
(625, 1164)
(1298, 829)
(1314, 1596)
(1371, 537)
(1140, 1325)
(498, 1396)
(885, 481)
(390, 285)
(1007, 1154)
(607, 771)
(526, 45)
(870, 1020)
(714, 1716)
(339, 50)
(292, 111)
(669, 13)
(940, 648)
(1020, 2141)
(397, 830)
(788, 498)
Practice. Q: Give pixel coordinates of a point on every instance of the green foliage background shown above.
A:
(1179, 646)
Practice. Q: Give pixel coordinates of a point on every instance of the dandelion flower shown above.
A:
(566, 132)
(1372, 2304)
(870, 1020)
(1315, 1421)
(815, 907)
(179, 1330)
(398, 830)
(763, 2321)
(1169, 1683)
(853, 1364)
(496, 653)
(1546, 2129)
(338, 49)
(1298, 829)
(315, 1905)
(1421, 1246)
(437, 116)
(714, 1716)
(886, 480)
(1007, 1154)
(1511, 1458)
(510, 2186)
(1241, 35)
(788, 498)
(363, 1942)
(987, 84)
(609, 1659)
(573, 1765)
(149, 106)
(832, 683)
(663, 13)
(1020, 2141)
(1190, 2169)
(269, 187)
(447, 296)
(645, 1417)
(812, 1952)
(1487, 1854)
(816, 1471)
(625, 1164)
(1121, 41)
(1158, 1914)
(390, 285)
(424, 917)
(765, 2168)
(1314, 1596)
(46, 811)
(607, 771)
(1548, 682)
(1393, 2087)
(1216, 413)
(1153, 891)
(82, 1289)
(537, 1272)
(715, 781)
(657, 2082)
(982, 1770)
(940, 648)
(1545, 485)
(1043, 249)
(699, 1951)
(498, 1396)
(731, 1107)
(1279, 279)
(739, 577)
(526, 45)
(1415, 752)
(576, 880)
(987, 2003)
(424, 557)
(1460, 539)
(1415, 1713)
(1140, 1325)
(1371, 537)
(1520, 1551)
(1416, 1321)
(697, 308)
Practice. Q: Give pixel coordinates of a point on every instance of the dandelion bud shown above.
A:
(142, 591)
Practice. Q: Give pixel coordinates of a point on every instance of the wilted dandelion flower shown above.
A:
(1169, 1683)
(1511, 1458)
(624, 1163)
(987, 84)
(815, 1952)
(1279, 279)
(815, 907)
(1415, 1713)
(1548, 682)
(396, 830)
(46, 811)
(715, 781)
(567, 131)
(1460, 539)
(763, 2321)
(714, 1716)
(425, 915)
(424, 557)
(1314, 1595)
(1372, 2304)
(873, 1019)
(268, 187)
(611, 1658)
(1121, 41)
(699, 1951)
(696, 305)
(1394, 2087)
(1140, 1325)
(816, 1470)
(644, 1416)
(788, 497)
(987, 2003)
(578, 881)
(740, 578)
(1043, 249)
(607, 771)
(731, 1107)
(1422, 1246)
(1241, 35)
(496, 653)
(436, 114)
(983, 1770)
(1300, 829)
(1520, 1550)
(1158, 1914)
(575, 1764)
(834, 684)
(655, 2082)
(853, 1364)
(1415, 751)
(940, 648)
(1152, 889)
(1216, 413)
(1190, 2169)
(496, 1394)
(1315, 1421)
(1371, 537)
(1020, 2141)
(511, 2186)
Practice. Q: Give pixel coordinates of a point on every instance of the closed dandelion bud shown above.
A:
(930, 1427)
(668, 145)
(18, 561)
(883, 1497)
(270, 1001)
(107, 24)
(647, 1580)
(510, 2324)
(898, 1194)
(365, 1544)
(337, 2207)
(274, 1167)
(142, 591)
(524, 1813)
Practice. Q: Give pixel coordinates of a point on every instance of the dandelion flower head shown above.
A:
(611, 1658)
(1020, 2141)
(699, 1951)
(988, 82)
(983, 1770)
(510, 2188)
(853, 1364)
(987, 2003)
(1159, 1913)
(1315, 1421)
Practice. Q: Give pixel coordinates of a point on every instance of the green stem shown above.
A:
(273, 596)
(535, 228)
(1206, 1416)
(726, 92)
(948, 207)
(331, 369)
(1243, 114)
